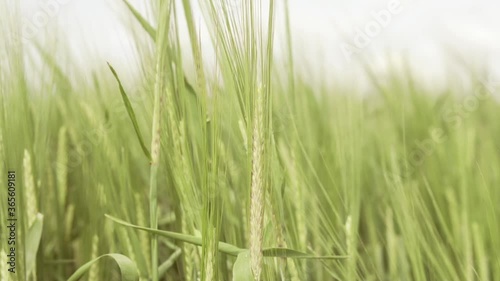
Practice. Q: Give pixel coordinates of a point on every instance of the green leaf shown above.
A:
(223, 247)
(162, 269)
(127, 267)
(144, 23)
(33, 241)
(293, 254)
(241, 268)
(131, 114)
(152, 33)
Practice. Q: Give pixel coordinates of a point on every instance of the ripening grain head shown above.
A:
(30, 189)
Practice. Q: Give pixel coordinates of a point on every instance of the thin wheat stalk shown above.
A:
(29, 183)
(153, 191)
(162, 42)
(2, 156)
(62, 167)
(94, 270)
(143, 236)
(257, 188)
(4, 269)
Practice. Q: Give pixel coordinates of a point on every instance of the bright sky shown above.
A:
(428, 32)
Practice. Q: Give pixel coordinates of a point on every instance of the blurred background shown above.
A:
(333, 39)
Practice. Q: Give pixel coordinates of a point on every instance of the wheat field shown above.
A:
(242, 169)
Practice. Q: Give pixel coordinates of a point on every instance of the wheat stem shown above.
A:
(257, 188)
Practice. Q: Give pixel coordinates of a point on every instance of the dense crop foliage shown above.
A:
(248, 174)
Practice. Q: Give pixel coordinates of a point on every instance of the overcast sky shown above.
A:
(329, 35)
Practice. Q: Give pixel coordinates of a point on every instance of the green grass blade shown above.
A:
(33, 241)
(162, 269)
(127, 267)
(223, 247)
(142, 21)
(152, 33)
(131, 114)
(241, 268)
(293, 254)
